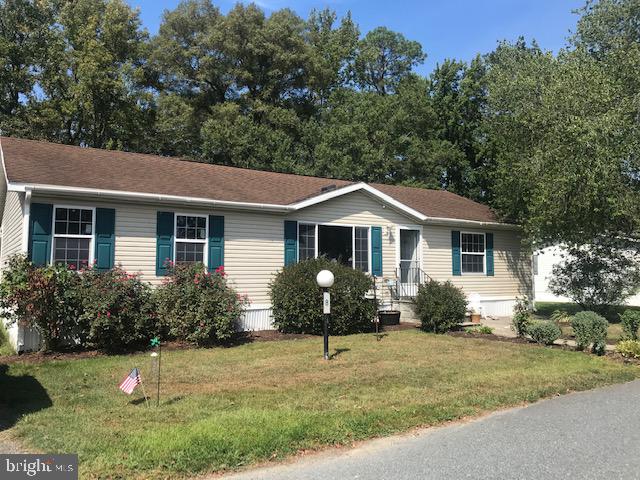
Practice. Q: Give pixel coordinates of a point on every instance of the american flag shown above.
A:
(130, 382)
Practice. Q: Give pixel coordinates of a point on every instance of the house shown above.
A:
(543, 262)
(79, 205)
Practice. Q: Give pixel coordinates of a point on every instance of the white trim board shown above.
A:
(290, 208)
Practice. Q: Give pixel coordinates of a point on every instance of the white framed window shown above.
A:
(73, 235)
(306, 241)
(472, 252)
(349, 244)
(361, 248)
(190, 238)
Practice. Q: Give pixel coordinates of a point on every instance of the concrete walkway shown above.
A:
(588, 435)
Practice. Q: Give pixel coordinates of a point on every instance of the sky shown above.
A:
(446, 29)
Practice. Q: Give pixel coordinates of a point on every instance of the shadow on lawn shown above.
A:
(20, 396)
(338, 351)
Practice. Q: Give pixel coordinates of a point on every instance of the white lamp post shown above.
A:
(325, 281)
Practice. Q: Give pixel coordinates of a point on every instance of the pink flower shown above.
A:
(108, 314)
(220, 270)
(72, 266)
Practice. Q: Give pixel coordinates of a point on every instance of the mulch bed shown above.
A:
(240, 338)
(492, 337)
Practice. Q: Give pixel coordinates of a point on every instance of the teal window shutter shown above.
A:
(40, 224)
(164, 241)
(455, 252)
(216, 242)
(489, 254)
(290, 242)
(105, 238)
(376, 251)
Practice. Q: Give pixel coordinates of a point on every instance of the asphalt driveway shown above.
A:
(585, 435)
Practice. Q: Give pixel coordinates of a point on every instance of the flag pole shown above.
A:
(144, 393)
(158, 389)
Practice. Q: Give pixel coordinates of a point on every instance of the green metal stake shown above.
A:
(155, 342)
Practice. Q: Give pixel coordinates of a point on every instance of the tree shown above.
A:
(383, 59)
(24, 33)
(598, 275)
(331, 51)
(458, 92)
(92, 81)
(563, 134)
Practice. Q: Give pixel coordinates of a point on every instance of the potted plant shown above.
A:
(391, 316)
(475, 316)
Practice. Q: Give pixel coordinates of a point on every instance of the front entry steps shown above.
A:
(407, 313)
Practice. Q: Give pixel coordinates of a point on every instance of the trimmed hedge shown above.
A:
(297, 299)
(589, 328)
(440, 306)
(544, 333)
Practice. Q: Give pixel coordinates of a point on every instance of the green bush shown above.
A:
(297, 299)
(117, 310)
(44, 298)
(479, 330)
(198, 306)
(630, 323)
(521, 317)
(589, 328)
(440, 306)
(629, 348)
(544, 333)
(560, 316)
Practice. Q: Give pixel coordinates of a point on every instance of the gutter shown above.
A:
(152, 197)
(471, 223)
(267, 207)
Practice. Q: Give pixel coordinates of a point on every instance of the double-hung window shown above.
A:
(191, 238)
(73, 230)
(361, 248)
(307, 241)
(473, 252)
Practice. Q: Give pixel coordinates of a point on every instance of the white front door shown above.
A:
(409, 274)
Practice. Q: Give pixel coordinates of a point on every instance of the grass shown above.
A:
(227, 408)
(5, 347)
(614, 332)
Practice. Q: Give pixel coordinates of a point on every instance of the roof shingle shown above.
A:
(37, 162)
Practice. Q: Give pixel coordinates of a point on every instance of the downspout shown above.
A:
(26, 214)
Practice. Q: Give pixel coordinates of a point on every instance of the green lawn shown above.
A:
(614, 332)
(225, 408)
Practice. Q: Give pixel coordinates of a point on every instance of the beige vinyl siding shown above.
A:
(254, 243)
(12, 221)
(253, 252)
(360, 209)
(512, 266)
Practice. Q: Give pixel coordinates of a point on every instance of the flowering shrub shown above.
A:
(44, 298)
(117, 310)
(199, 306)
(297, 299)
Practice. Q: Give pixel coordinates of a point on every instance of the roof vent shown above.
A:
(328, 188)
